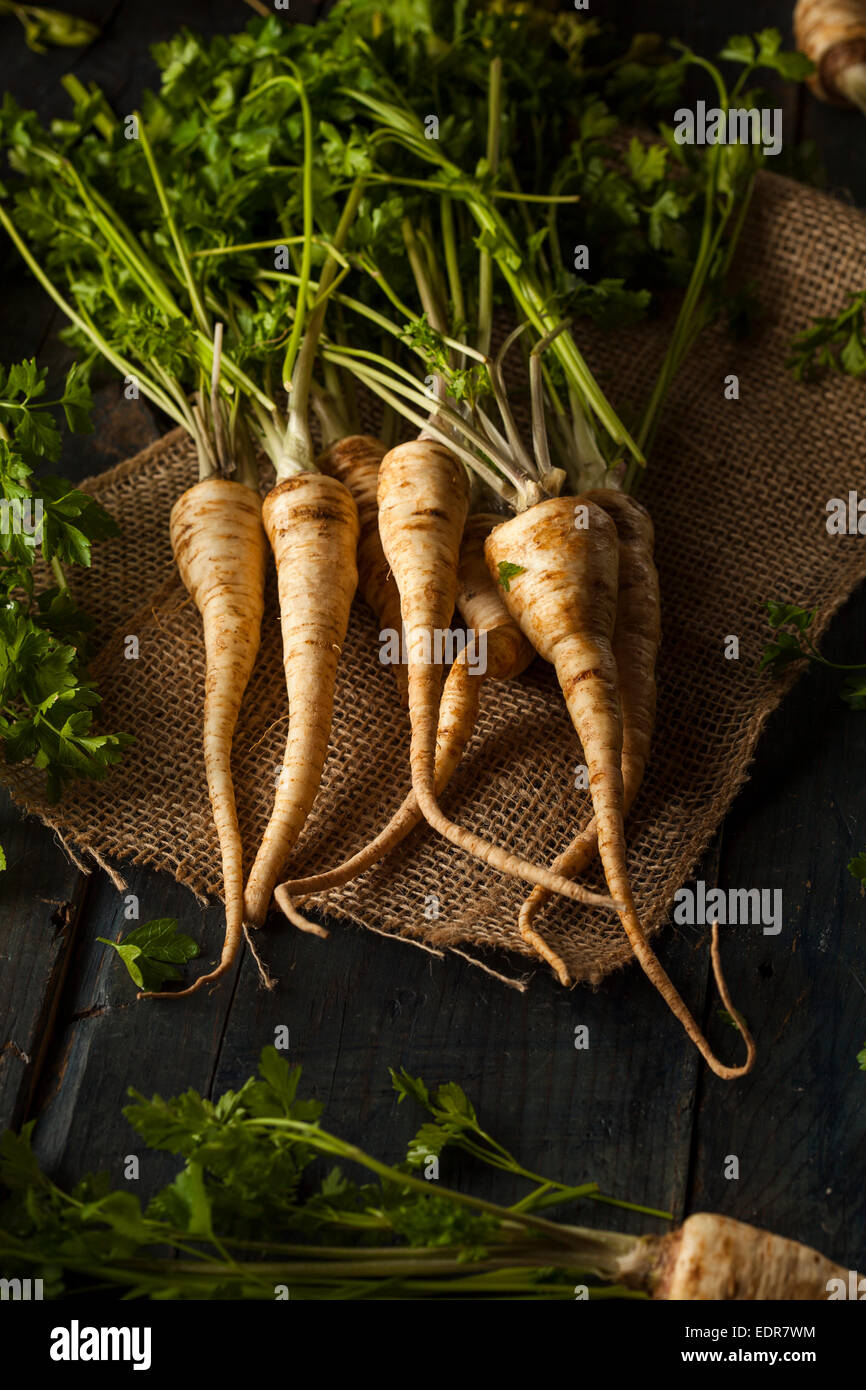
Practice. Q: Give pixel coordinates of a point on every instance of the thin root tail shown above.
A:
(288, 909)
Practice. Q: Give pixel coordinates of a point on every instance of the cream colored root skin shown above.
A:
(312, 524)
(423, 499)
(508, 654)
(565, 601)
(636, 637)
(833, 34)
(355, 462)
(479, 600)
(220, 548)
(712, 1258)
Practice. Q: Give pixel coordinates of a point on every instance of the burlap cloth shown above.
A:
(738, 491)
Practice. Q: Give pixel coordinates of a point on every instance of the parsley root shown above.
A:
(423, 499)
(355, 461)
(219, 546)
(714, 1257)
(312, 525)
(564, 597)
(636, 635)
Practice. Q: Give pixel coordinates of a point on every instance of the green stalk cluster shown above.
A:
(245, 1219)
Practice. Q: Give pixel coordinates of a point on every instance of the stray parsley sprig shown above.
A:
(508, 571)
(44, 26)
(151, 952)
(836, 344)
(792, 643)
(249, 1217)
(455, 1125)
(29, 424)
(857, 867)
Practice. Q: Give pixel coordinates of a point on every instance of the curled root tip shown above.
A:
(729, 1073)
(655, 972)
(541, 948)
(190, 989)
(288, 909)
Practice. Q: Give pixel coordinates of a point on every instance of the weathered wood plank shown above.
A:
(41, 895)
(618, 1112)
(106, 1041)
(798, 1124)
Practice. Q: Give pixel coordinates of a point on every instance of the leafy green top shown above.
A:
(47, 702)
(248, 1214)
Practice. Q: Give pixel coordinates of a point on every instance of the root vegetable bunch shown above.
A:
(323, 153)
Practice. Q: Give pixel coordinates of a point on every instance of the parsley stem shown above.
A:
(402, 126)
(303, 372)
(192, 289)
(485, 272)
(103, 120)
(329, 1143)
(430, 301)
(115, 358)
(708, 269)
(449, 242)
(59, 574)
(236, 248)
(295, 80)
(375, 381)
(833, 665)
(405, 384)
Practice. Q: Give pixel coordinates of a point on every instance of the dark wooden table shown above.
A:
(638, 1111)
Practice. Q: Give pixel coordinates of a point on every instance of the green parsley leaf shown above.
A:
(646, 163)
(789, 615)
(739, 49)
(832, 343)
(780, 653)
(857, 867)
(151, 951)
(854, 691)
(507, 572)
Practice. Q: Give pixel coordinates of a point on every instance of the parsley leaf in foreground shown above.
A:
(152, 951)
